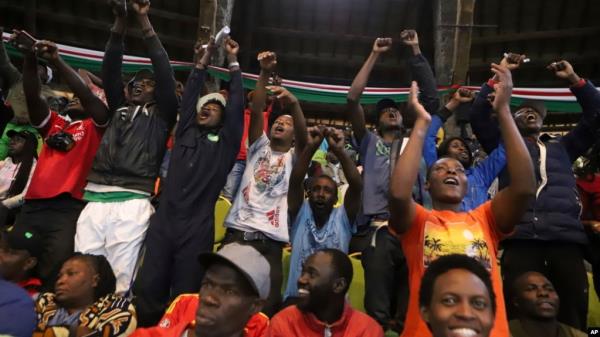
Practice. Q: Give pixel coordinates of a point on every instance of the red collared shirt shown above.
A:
(181, 316)
(32, 286)
(293, 322)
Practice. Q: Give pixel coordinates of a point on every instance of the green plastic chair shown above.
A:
(356, 293)
(221, 210)
(285, 264)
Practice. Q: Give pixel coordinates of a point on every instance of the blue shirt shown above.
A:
(306, 239)
(479, 178)
(17, 315)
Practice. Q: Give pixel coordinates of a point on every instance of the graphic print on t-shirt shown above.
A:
(455, 238)
(267, 175)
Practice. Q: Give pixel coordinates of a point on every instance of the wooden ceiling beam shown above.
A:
(354, 64)
(294, 33)
(540, 35)
(542, 62)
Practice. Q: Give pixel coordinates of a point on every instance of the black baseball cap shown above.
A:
(25, 134)
(23, 237)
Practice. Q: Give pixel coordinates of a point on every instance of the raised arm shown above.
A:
(511, 202)
(164, 92)
(295, 195)
(421, 72)
(402, 205)
(484, 125)
(113, 58)
(89, 78)
(268, 62)
(194, 85)
(92, 105)
(355, 112)
(32, 86)
(8, 72)
(234, 122)
(583, 136)
(293, 105)
(352, 199)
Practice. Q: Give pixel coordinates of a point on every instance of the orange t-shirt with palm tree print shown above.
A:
(437, 233)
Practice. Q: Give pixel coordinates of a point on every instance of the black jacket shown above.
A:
(134, 143)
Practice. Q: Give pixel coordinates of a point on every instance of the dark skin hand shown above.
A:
(356, 113)
(32, 85)
(92, 105)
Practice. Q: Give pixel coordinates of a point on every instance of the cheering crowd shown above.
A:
(108, 202)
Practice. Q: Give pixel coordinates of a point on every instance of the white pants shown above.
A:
(115, 230)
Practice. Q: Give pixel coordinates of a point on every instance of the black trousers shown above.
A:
(386, 280)
(169, 265)
(272, 251)
(561, 263)
(55, 221)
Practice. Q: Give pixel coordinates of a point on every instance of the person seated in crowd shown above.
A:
(316, 224)
(20, 249)
(386, 284)
(84, 303)
(259, 214)
(53, 199)
(15, 173)
(537, 305)
(123, 175)
(17, 317)
(322, 309)
(232, 293)
(207, 141)
(427, 235)
(457, 298)
(550, 238)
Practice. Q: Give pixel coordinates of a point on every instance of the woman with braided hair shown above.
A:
(84, 303)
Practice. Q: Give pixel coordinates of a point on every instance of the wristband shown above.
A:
(234, 64)
(491, 82)
(579, 84)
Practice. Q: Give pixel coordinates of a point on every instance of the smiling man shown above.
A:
(537, 304)
(124, 172)
(549, 237)
(457, 298)
(232, 293)
(322, 309)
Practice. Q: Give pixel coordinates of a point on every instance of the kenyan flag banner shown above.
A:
(556, 99)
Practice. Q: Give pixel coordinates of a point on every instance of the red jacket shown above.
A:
(181, 315)
(291, 322)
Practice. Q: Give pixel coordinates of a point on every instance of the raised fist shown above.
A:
(141, 7)
(512, 61)
(46, 50)
(268, 60)
(409, 37)
(382, 44)
(563, 69)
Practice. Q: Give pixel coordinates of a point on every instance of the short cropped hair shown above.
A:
(446, 263)
(341, 264)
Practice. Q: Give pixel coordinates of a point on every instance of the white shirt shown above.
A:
(8, 173)
(261, 202)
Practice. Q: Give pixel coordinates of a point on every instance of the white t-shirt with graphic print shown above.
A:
(261, 202)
